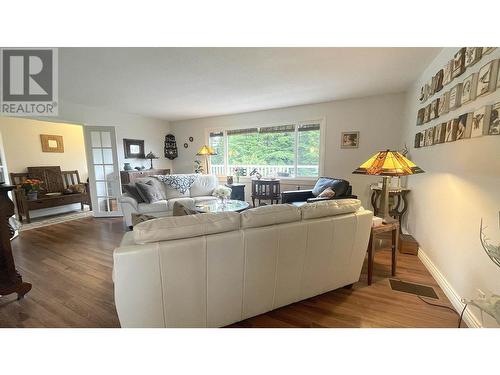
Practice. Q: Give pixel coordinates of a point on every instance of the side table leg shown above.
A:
(371, 251)
(395, 246)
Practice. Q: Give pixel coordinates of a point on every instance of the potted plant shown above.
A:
(31, 187)
(238, 172)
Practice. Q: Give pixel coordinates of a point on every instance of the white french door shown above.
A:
(102, 160)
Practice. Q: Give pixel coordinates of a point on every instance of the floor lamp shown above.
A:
(387, 164)
(206, 151)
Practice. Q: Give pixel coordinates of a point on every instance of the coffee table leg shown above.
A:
(370, 259)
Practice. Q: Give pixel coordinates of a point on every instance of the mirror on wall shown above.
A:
(134, 148)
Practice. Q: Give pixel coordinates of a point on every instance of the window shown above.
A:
(290, 150)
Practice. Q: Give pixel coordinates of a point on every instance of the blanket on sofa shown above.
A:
(181, 183)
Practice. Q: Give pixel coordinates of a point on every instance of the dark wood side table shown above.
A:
(265, 189)
(392, 227)
(398, 201)
(237, 191)
(10, 280)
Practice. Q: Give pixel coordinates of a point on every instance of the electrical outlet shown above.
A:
(481, 293)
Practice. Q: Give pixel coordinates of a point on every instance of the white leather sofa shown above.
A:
(200, 190)
(211, 270)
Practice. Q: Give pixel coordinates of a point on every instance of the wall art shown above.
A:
(429, 137)
(420, 116)
(472, 55)
(459, 63)
(486, 82)
(448, 73)
(494, 123)
(422, 138)
(416, 142)
(134, 148)
(52, 143)
(480, 121)
(434, 109)
(464, 126)
(443, 104)
(455, 95)
(488, 50)
(439, 133)
(451, 130)
(349, 140)
(427, 113)
(469, 87)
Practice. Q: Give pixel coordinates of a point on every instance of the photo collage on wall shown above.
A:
(483, 121)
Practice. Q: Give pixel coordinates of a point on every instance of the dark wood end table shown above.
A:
(392, 227)
(266, 189)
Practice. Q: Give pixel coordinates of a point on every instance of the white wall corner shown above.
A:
(456, 300)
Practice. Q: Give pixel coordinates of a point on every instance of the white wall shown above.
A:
(461, 185)
(378, 118)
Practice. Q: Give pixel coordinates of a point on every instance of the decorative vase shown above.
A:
(237, 178)
(127, 167)
(32, 196)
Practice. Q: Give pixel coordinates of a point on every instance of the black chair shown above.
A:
(342, 189)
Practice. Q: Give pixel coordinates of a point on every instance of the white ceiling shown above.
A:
(184, 83)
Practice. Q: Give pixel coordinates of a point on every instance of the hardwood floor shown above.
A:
(70, 265)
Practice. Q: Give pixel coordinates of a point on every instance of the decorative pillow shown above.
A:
(148, 192)
(131, 190)
(327, 193)
(338, 186)
(140, 218)
(181, 210)
(181, 183)
(77, 188)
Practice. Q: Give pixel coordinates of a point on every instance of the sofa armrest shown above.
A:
(296, 196)
(318, 199)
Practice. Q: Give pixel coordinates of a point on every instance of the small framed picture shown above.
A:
(488, 50)
(429, 137)
(349, 139)
(451, 130)
(480, 121)
(427, 113)
(472, 55)
(494, 123)
(416, 143)
(422, 138)
(448, 73)
(464, 126)
(459, 63)
(455, 95)
(443, 104)
(439, 133)
(420, 116)
(487, 78)
(469, 89)
(434, 109)
(438, 81)
(52, 143)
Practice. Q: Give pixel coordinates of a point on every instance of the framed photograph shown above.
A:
(480, 121)
(455, 95)
(438, 81)
(459, 63)
(349, 140)
(52, 143)
(443, 104)
(427, 113)
(420, 116)
(416, 143)
(434, 109)
(451, 130)
(134, 148)
(439, 133)
(488, 50)
(487, 78)
(429, 137)
(448, 73)
(428, 90)
(422, 138)
(494, 123)
(464, 126)
(472, 55)
(422, 97)
(469, 87)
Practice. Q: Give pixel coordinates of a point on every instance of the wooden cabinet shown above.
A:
(264, 189)
(237, 191)
(130, 176)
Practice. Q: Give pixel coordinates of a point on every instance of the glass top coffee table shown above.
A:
(217, 206)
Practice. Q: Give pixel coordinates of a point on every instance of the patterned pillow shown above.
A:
(181, 183)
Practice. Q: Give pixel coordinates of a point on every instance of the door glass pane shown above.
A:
(109, 170)
(106, 139)
(113, 204)
(102, 204)
(99, 172)
(95, 139)
(101, 188)
(107, 156)
(110, 189)
(97, 154)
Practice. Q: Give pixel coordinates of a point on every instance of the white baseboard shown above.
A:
(469, 318)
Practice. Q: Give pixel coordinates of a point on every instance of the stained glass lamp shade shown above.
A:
(387, 164)
(206, 151)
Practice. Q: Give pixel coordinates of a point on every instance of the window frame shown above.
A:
(322, 131)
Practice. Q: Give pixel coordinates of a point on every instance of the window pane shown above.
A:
(95, 139)
(99, 172)
(106, 139)
(109, 170)
(107, 156)
(97, 153)
(271, 151)
(216, 141)
(308, 150)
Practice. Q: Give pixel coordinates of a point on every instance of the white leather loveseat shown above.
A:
(201, 190)
(211, 270)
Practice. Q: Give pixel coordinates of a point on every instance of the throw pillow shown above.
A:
(327, 193)
(77, 188)
(181, 210)
(148, 192)
(140, 218)
(131, 190)
(181, 183)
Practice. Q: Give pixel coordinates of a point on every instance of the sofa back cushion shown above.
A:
(270, 215)
(337, 185)
(203, 185)
(177, 227)
(329, 208)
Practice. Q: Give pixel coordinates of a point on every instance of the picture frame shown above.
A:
(451, 130)
(494, 120)
(52, 143)
(434, 109)
(422, 138)
(133, 148)
(480, 121)
(416, 143)
(455, 96)
(438, 81)
(349, 139)
(459, 63)
(427, 112)
(420, 116)
(488, 50)
(464, 126)
(443, 106)
(469, 88)
(472, 55)
(487, 78)
(439, 133)
(429, 137)
(448, 73)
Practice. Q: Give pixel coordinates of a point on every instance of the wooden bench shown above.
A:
(53, 181)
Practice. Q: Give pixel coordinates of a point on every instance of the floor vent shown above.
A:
(417, 289)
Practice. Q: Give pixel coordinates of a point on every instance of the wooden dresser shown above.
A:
(127, 177)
